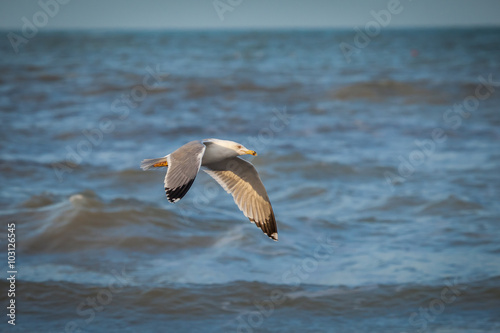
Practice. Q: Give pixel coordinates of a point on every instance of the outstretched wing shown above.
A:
(239, 178)
(183, 166)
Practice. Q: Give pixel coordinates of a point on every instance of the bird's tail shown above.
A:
(154, 163)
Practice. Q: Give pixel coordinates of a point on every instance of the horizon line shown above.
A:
(255, 28)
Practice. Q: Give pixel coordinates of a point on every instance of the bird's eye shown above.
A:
(240, 146)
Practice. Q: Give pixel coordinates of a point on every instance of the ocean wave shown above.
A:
(39, 200)
(450, 205)
(84, 221)
(110, 88)
(231, 304)
(319, 170)
(217, 87)
(21, 167)
(49, 77)
(400, 202)
(381, 90)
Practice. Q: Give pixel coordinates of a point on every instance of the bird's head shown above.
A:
(235, 147)
(242, 150)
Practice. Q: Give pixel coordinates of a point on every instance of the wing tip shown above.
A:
(176, 194)
(269, 229)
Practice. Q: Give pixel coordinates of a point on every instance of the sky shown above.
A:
(230, 14)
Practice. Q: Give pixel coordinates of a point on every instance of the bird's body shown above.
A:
(220, 160)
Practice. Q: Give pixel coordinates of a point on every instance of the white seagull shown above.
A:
(220, 160)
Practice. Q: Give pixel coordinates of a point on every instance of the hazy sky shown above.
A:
(153, 14)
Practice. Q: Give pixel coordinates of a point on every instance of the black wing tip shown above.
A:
(272, 235)
(176, 194)
(268, 227)
(272, 228)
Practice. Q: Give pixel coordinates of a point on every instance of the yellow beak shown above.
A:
(251, 152)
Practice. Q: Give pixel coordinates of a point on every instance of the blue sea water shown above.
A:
(383, 172)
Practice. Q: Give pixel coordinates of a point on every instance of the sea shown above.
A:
(380, 154)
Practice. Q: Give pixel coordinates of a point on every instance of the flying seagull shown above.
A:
(220, 160)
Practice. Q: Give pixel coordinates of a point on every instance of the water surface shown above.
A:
(380, 217)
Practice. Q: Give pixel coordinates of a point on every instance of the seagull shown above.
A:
(220, 159)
